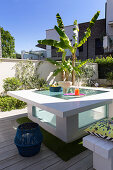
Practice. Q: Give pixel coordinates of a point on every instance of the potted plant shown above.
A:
(68, 66)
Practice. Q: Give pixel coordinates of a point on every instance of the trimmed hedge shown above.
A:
(8, 103)
(105, 65)
(104, 69)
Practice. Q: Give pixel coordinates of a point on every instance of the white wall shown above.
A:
(52, 34)
(6, 70)
(45, 70)
(109, 17)
(0, 45)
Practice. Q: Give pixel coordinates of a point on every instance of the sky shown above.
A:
(27, 20)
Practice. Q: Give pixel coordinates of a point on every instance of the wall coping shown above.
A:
(25, 60)
(17, 60)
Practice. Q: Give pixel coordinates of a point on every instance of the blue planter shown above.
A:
(28, 139)
(56, 89)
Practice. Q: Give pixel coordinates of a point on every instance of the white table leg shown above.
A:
(66, 128)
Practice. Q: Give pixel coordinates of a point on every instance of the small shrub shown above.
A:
(88, 71)
(25, 71)
(11, 84)
(41, 83)
(31, 83)
(85, 74)
(8, 103)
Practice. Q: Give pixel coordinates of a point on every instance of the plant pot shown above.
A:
(65, 85)
(28, 139)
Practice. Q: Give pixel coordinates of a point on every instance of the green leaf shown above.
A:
(64, 44)
(60, 22)
(76, 25)
(81, 64)
(60, 32)
(77, 70)
(75, 33)
(60, 50)
(57, 71)
(88, 31)
(93, 20)
(52, 61)
(63, 56)
(50, 42)
(64, 40)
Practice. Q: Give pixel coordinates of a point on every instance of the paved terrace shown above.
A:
(46, 159)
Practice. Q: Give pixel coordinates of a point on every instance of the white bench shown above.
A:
(102, 152)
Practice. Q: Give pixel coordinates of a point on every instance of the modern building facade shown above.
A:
(92, 48)
(94, 45)
(0, 45)
(34, 55)
(108, 39)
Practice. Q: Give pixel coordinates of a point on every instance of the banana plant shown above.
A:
(63, 67)
(64, 42)
(66, 67)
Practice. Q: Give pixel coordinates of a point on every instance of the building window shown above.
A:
(53, 47)
(54, 52)
(81, 49)
(99, 50)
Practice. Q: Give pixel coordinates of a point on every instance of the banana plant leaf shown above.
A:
(50, 42)
(64, 40)
(75, 33)
(53, 62)
(60, 22)
(88, 31)
(81, 64)
(55, 73)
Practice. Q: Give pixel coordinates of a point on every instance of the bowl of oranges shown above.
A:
(55, 88)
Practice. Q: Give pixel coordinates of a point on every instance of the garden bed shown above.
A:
(8, 103)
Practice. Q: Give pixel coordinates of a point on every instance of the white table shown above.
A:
(66, 111)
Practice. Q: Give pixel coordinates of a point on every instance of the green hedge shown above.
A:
(104, 69)
(8, 103)
(105, 65)
(104, 60)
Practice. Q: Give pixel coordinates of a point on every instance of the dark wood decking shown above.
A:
(46, 159)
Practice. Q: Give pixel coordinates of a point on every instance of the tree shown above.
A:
(65, 43)
(8, 44)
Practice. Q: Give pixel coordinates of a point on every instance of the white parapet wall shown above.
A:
(6, 70)
(0, 45)
(45, 70)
